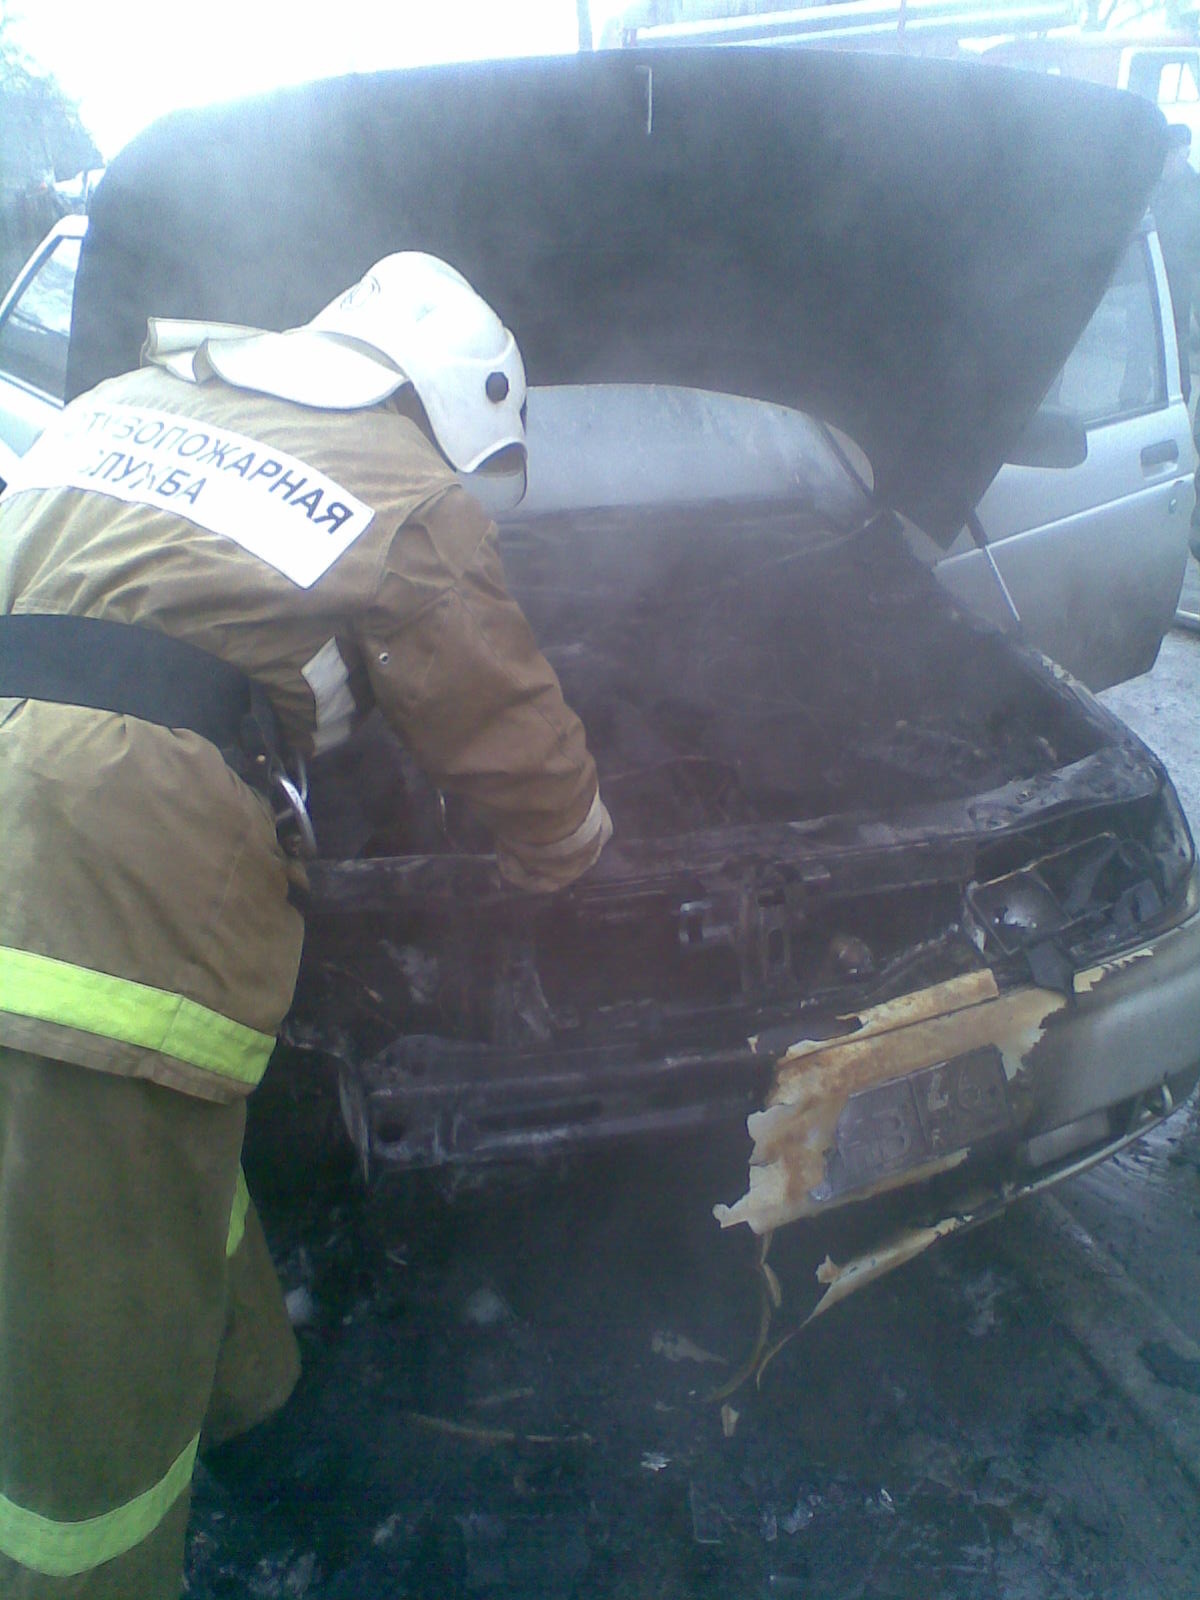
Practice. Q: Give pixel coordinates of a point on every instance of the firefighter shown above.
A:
(227, 555)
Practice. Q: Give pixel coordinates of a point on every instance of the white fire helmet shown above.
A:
(412, 319)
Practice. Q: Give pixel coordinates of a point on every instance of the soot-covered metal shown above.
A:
(808, 826)
(908, 249)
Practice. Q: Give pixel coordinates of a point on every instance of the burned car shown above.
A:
(885, 884)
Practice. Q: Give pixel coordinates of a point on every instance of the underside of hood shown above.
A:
(906, 248)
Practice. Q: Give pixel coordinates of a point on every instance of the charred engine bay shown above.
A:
(745, 667)
(809, 753)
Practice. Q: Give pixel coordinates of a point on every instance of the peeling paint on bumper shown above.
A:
(1133, 1022)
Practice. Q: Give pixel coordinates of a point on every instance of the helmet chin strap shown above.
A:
(496, 492)
(499, 484)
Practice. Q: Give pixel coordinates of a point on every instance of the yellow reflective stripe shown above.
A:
(237, 1214)
(131, 1013)
(63, 1549)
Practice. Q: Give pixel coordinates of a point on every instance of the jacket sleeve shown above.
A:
(456, 671)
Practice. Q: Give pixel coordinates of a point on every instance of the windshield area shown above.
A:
(613, 445)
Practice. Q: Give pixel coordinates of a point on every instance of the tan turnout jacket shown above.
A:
(145, 926)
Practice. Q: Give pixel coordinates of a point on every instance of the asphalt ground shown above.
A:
(508, 1390)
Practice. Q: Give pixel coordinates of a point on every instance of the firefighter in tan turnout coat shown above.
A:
(249, 512)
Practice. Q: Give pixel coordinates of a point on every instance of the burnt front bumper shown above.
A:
(915, 1088)
(1026, 1080)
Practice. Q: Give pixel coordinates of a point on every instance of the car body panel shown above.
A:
(773, 224)
(35, 321)
(1093, 556)
(927, 1118)
(1096, 590)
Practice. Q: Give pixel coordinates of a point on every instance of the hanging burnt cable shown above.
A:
(770, 1298)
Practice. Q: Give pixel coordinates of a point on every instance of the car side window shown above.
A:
(1116, 370)
(1168, 80)
(37, 326)
(1177, 85)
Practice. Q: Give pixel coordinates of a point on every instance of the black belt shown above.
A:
(139, 672)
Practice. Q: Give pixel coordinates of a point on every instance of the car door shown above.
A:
(35, 328)
(1093, 555)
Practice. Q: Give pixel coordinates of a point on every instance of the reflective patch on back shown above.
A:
(329, 679)
(273, 505)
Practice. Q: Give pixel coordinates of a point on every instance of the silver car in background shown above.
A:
(35, 329)
(1092, 555)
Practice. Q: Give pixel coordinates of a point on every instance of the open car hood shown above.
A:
(906, 248)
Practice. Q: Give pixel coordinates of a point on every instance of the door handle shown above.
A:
(1163, 454)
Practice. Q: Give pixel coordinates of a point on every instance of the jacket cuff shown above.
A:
(541, 868)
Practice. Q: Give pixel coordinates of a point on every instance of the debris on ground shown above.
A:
(678, 1347)
(485, 1309)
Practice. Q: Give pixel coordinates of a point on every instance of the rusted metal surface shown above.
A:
(796, 1135)
(908, 1089)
